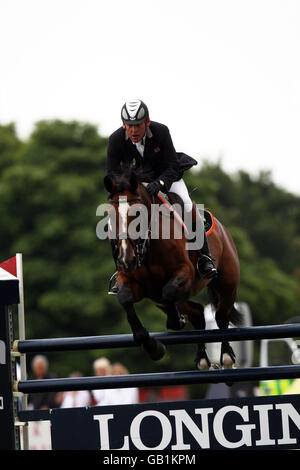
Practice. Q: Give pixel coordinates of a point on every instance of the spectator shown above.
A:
(126, 395)
(117, 396)
(119, 369)
(75, 398)
(40, 369)
(102, 367)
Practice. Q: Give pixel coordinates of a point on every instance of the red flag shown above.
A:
(10, 266)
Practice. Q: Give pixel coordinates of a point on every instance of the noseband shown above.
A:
(119, 201)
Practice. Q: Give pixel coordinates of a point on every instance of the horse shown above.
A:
(164, 271)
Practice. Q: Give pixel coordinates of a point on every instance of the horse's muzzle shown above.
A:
(127, 266)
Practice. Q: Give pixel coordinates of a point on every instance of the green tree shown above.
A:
(9, 145)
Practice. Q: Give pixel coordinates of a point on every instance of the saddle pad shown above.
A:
(209, 222)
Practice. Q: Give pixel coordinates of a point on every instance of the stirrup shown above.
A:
(113, 289)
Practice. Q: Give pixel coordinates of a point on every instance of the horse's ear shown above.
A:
(133, 181)
(108, 183)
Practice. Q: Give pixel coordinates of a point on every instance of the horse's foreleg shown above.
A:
(152, 346)
(176, 290)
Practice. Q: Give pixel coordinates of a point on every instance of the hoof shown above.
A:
(155, 349)
(203, 364)
(227, 361)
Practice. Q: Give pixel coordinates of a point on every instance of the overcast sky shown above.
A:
(224, 75)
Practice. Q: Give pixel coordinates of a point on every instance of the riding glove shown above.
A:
(154, 187)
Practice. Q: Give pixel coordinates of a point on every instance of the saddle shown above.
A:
(171, 199)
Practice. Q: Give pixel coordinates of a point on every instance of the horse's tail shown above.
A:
(235, 317)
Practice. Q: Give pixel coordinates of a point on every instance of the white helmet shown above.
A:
(134, 112)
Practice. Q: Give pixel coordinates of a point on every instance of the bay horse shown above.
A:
(164, 271)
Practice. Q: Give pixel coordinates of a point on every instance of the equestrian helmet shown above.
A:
(134, 112)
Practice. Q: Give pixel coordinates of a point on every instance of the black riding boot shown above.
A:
(206, 266)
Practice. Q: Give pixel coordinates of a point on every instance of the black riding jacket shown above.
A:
(159, 154)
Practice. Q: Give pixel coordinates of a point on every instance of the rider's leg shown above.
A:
(179, 188)
(206, 266)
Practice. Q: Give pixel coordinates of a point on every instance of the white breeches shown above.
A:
(180, 188)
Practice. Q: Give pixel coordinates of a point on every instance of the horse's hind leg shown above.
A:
(224, 314)
(195, 313)
(175, 291)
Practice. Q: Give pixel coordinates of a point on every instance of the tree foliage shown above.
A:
(50, 188)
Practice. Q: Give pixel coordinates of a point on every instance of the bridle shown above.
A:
(140, 245)
(118, 201)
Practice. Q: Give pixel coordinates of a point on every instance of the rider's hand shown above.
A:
(154, 187)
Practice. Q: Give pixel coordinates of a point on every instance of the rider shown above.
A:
(149, 144)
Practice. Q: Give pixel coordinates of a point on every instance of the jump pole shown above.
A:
(181, 337)
(21, 322)
(159, 379)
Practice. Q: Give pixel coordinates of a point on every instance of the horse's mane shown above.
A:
(125, 174)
